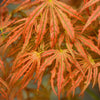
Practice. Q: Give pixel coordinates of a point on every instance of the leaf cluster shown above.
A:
(44, 37)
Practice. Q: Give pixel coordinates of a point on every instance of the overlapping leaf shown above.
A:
(68, 9)
(54, 28)
(4, 18)
(42, 27)
(3, 88)
(90, 71)
(3, 85)
(99, 81)
(93, 17)
(66, 24)
(26, 5)
(25, 66)
(88, 80)
(80, 49)
(71, 65)
(89, 3)
(99, 38)
(75, 82)
(13, 37)
(42, 10)
(95, 74)
(2, 66)
(89, 43)
(4, 3)
(61, 59)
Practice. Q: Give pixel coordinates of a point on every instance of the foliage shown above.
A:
(44, 37)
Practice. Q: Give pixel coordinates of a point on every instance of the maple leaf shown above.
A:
(25, 66)
(89, 43)
(54, 25)
(90, 68)
(93, 17)
(50, 24)
(74, 81)
(42, 11)
(61, 67)
(80, 49)
(54, 28)
(13, 35)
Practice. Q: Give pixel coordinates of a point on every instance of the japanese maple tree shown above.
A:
(42, 37)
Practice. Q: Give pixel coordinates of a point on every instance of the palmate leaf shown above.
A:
(25, 65)
(60, 67)
(53, 21)
(66, 69)
(90, 68)
(24, 28)
(93, 17)
(88, 4)
(58, 56)
(41, 13)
